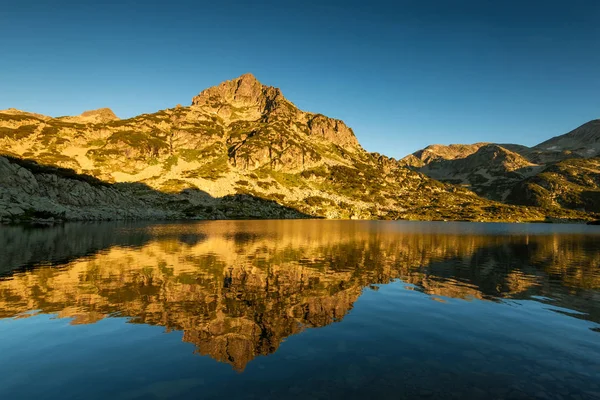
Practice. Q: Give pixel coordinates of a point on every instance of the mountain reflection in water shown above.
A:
(237, 289)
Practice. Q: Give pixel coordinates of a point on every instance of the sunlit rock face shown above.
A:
(245, 96)
(238, 289)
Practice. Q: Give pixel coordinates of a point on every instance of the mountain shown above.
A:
(491, 170)
(560, 173)
(572, 184)
(239, 143)
(583, 141)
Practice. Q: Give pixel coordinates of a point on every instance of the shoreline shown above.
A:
(49, 222)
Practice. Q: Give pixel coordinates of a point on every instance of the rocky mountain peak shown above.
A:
(439, 152)
(246, 99)
(245, 96)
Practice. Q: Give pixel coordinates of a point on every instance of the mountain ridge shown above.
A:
(239, 138)
(534, 182)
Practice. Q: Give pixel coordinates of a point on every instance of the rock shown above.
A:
(333, 130)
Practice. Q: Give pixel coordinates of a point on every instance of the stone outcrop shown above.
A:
(332, 130)
(245, 93)
(98, 116)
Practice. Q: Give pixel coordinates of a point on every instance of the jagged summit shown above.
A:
(243, 91)
(244, 97)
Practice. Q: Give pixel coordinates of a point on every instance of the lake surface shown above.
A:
(300, 309)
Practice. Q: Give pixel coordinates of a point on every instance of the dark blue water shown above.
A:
(300, 309)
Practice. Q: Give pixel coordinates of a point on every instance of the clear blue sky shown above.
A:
(402, 74)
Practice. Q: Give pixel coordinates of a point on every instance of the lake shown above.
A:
(300, 309)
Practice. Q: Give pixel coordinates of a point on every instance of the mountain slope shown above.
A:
(243, 137)
(491, 171)
(437, 152)
(583, 141)
(541, 176)
(33, 192)
(573, 184)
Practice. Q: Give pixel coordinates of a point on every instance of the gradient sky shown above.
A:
(402, 74)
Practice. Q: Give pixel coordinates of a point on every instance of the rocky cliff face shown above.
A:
(239, 138)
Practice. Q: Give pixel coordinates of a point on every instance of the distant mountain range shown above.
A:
(563, 172)
(242, 150)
